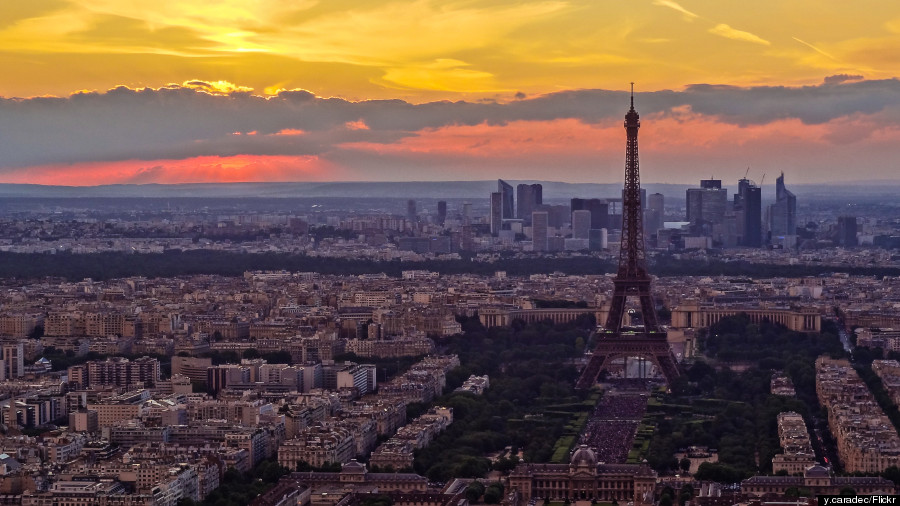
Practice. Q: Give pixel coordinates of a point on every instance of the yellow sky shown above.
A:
(426, 49)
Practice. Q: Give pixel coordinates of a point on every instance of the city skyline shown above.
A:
(106, 92)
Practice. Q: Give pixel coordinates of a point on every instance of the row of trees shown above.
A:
(108, 265)
(492, 494)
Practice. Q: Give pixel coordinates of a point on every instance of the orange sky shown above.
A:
(822, 73)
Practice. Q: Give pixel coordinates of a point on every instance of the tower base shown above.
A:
(611, 346)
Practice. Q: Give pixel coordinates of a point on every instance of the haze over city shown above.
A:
(179, 91)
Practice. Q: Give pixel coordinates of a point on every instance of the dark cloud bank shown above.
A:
(181, 121)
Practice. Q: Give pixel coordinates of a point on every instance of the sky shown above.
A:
(177, 91)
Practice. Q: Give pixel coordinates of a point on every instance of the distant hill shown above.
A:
(553, 190)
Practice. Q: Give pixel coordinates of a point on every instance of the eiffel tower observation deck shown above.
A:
(616, 341)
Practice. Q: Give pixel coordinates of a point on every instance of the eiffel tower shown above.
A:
(632, 279)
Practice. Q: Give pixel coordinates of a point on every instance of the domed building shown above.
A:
(583, 457)
(583, 478)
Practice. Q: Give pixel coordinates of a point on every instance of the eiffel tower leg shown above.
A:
(648, 311)
(592, 371)
(616, 311)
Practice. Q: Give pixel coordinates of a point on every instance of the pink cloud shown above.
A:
(214, 169)
(356, 125)
(290, 131)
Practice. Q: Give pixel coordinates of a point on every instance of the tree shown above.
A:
(685, 494)
(892, 473)
(474, 491)
(685, 464)
(848, 491)
(37, 332)
(377, 500)
(494, 493)
(665, 500)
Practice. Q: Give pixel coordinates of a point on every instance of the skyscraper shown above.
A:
(528, 197)
(748, 207)
(496, 212)
(653, 214)
(540, 223)
(783, 213)
(599, 209)
(581, 224)
(441, 212)
(411, 211)
(846, 231)
(706, 208)
(507, 200)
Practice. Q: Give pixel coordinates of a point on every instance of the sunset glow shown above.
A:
(265, 90)
(232, 169)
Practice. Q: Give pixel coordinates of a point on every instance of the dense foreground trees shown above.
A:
(530, 399)
(734, 412)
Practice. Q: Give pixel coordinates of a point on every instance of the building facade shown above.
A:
(584, 479)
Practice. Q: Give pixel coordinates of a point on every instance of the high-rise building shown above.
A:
(654, 214)
(783, 213)
(558, 215)
(528, 197)
(706, 208)
(846, 231)
(496, 212)
(599, 209)
(411, 211)
(441, 212)
(539, 225)
(507, 200)
(748, 208)
(13, 359)
(581, 224)
(467, 213)
(598, 239)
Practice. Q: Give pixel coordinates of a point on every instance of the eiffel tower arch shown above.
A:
(632, 280)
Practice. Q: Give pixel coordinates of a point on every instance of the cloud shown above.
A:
(688, 15)
(198, 120)
(728, 32)
(216, 87)
(198, 169)
(842, 78)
